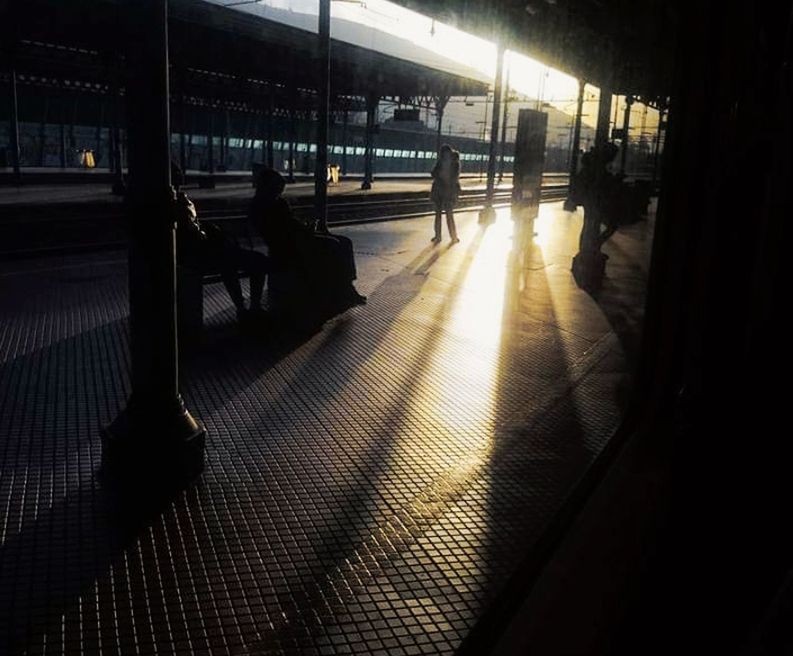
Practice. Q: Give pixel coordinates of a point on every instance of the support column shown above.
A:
(182, 135)
(344, 137)
(270, 159)
(372, 101)
(208, 181)
(321, 170)
(43, 131)
(119, 188)
(292, 130)
(63, 145)
(488, 213)
(657, 147)
(98, 131)
(504, 129)
(604, 111)
(440, 108)
(626, 121)
(154, 442)
(14, 127)
(569, 204)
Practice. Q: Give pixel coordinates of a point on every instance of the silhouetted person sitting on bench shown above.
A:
(324, 264)
(204, 248)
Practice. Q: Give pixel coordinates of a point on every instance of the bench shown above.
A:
(190, 285)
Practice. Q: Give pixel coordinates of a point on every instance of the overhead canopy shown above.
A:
(624, 44)
(209, 37)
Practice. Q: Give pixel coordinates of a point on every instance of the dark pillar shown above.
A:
(119, 188)
(372, 101)
(270, 107)
(491, 165)
(440, 108)
(182, 135)
(63, 145)
(569, 204)
(604, 111)
(154, 440)
(43, 131)
(344, 138)
(14, 127)
(208, 181)
(321, 170)
(292, 130)
(98, 132)
(504, 130)
(657, 147)
(626, 121)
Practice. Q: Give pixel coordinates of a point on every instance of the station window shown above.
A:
(420, 154)
(338, 150)
(379, 152)
(360, 150)
(302, 147)
(389, 152)
(312, 148)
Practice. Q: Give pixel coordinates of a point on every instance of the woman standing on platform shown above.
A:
(445, 187)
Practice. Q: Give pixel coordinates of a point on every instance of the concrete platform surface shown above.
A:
(369, 490)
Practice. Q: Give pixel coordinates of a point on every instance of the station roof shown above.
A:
(626, 42)
(208, 37)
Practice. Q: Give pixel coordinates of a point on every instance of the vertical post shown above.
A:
(98, 132)
(657, 146)
(569, 204)
(14, 127)
(270, 106)
(292, 130)
(504, 128)
(183, 135)
(604, 111)
(208, 181)
(118, 169)
(626, 120)
(321, 170)
(440, 109)
(344, 137)
(155, 436)
(491, 163)
(63, 145)
(372, 100)
(43, 131)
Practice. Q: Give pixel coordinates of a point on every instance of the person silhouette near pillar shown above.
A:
(445, 189)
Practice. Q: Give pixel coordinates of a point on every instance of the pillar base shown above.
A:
(366, 184)
(487, 215)
(150, 452)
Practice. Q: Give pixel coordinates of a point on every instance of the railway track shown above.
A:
(100, 228)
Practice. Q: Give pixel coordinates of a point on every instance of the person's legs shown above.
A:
(450, 223)
(257, 266)
(437, 236)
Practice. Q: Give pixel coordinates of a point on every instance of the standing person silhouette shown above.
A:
(445, 187)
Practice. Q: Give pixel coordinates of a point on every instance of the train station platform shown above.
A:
(369, 489)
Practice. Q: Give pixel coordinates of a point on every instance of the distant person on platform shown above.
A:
(445, 188)
(204, 248)
(324, 263)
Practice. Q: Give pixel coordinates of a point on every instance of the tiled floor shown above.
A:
(369, 490)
